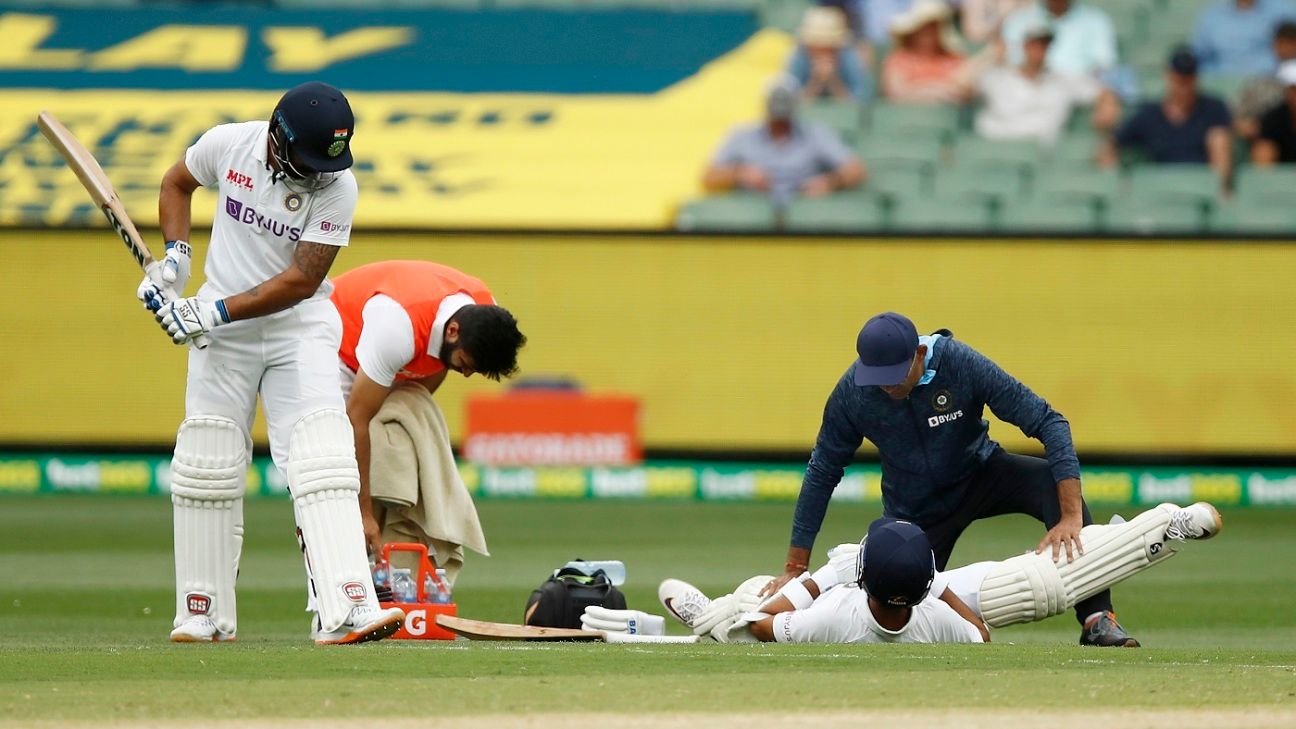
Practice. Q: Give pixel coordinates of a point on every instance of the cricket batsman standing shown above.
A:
(287, 198)
(920, 401)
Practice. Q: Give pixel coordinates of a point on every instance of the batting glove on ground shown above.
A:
(631, 622)
(185, 319)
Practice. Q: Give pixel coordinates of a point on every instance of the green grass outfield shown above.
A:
(86, 603)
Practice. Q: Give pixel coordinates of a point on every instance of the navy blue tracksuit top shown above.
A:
(930, 442)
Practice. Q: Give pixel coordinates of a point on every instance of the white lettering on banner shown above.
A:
(509, 483)
(68, 476)
(741, 485)
(416, 622)
(850, 488)
(1153, 490)
(1274, 491)
(549, 449)
(608, 483)
(936, 420)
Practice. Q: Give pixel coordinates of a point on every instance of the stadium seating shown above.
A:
(729, 212)
(846, 213)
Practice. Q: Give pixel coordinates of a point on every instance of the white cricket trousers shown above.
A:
(289, 358)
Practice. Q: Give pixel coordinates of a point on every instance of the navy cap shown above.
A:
(1183, 61)
(318, 122)
(896, 563)
(886, 346)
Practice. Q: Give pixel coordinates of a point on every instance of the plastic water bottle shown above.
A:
(615, 569)
(443, 594)
(403, 588)
(381, 574)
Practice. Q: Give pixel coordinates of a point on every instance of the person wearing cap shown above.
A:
(824, 63)
(1276, 141)
(897, 597)
(1027, 101)
(784, 156)
(1084, 40)
(1185, 127)
(927, 65)
(1232, 37)
(920, 401)
(262, 324)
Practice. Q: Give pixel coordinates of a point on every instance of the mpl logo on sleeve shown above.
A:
(944, 418)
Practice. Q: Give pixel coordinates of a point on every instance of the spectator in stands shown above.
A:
(1264, 92)
(926, 65)
(980, 21)
(1233, 37)
(1183, 128)
(1277, 140)
(824, 62)
(1027, 101)
(877, 16)
(1083, 48)
(784, 156)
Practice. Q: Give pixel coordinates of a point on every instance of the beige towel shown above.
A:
(412, 468)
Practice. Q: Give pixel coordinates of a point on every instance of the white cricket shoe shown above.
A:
(1199, 521)
(199, 629)
(682, 600)
(361, 626)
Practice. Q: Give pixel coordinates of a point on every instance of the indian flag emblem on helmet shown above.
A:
(339, 142)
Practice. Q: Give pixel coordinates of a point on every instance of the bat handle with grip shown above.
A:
(154, 272)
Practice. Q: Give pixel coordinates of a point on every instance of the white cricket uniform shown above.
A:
(386, 342)
(287, 357)
(842, 615)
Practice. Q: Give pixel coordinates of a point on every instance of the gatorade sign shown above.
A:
(553, 429)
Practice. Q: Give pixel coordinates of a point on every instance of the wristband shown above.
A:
(826, 577)
(180, 245)
(797, 594)
(220, 309)
(797, 567)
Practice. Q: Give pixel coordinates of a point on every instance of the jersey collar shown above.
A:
(450, 306)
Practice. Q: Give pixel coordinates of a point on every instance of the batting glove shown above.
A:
(177, 265)
(842, 567)
(631, 622)
(152, 292)
(185, 319)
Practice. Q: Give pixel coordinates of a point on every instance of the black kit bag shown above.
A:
(562, 599)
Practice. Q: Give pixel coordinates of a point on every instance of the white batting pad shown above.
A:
(1032, 586)
(208, 473)
(325, 484)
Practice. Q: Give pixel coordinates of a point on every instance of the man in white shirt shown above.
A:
(1028, 101)
(286, 200)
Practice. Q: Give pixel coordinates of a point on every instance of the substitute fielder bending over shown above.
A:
(919, 400)
(286, 202)
(413, 321)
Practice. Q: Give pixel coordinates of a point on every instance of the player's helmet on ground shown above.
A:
(896, 565)
(310, 135)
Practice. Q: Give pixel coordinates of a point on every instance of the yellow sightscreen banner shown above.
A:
(602, 161)
(735, 343)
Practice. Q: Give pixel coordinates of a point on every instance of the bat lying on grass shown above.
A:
(482, 630)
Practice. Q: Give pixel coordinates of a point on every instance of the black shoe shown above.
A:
(1103, 630)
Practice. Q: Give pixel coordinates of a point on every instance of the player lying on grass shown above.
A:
(887, 589)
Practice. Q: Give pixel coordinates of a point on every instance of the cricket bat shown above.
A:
(483, 630)
(101, 191)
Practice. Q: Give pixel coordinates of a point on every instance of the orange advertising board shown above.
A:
(548, 427)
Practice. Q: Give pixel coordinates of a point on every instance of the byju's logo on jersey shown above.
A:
(248, 215)
(329, 227)
(238, 178)
(936, 420)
